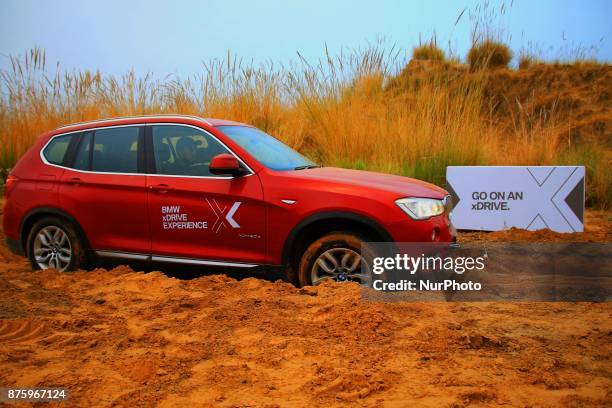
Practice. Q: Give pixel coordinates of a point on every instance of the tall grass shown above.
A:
(350, 110)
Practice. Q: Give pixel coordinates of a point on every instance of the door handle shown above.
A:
(160, 188)
(75, 180)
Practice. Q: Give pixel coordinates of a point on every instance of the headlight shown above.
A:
(421, 208)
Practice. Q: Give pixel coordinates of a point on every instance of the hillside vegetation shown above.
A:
(352, 110)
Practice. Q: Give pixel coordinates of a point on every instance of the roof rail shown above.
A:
(165, 115)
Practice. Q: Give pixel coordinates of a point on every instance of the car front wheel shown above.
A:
(337, 256)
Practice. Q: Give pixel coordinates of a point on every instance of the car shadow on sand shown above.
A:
(188, 272)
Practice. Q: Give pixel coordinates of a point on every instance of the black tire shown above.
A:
(328, 243)
(77, 257)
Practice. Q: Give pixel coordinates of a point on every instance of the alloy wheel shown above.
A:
(340, 265)
(52, 248)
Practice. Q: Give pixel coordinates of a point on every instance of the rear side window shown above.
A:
(112, 150)
(55, 151)
(115, 150)
(81, 159)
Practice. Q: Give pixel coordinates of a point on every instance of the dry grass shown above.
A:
(347, 110)
(428, 51)
(489, 54)
(526, 60)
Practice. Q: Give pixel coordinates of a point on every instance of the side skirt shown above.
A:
(169, 259)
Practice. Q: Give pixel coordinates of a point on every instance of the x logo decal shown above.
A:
(223, 215)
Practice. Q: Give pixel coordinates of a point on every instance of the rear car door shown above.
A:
(104, 190)
(197, 215)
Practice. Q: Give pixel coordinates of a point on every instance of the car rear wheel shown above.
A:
(53, 243)
(337, 256)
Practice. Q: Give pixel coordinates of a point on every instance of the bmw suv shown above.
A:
(210, 192)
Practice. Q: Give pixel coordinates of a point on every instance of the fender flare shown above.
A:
(49, 211)
(343, 215)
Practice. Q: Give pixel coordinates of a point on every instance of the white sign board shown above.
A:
(493, 198)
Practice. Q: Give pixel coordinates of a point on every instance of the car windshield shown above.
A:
(269, 151)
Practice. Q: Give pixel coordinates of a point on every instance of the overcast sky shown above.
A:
(173, 37)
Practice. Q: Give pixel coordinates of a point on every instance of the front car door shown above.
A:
(196, 216)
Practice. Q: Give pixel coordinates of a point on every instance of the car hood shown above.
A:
(402, 186)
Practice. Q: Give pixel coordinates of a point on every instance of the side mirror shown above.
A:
(225, 164)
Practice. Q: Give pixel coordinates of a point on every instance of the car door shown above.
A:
(196, 215)
(104, 190)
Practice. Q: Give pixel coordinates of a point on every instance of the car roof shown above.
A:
(128, 120)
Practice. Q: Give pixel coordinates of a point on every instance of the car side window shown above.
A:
(55, 151)
(115, 150)
(81, 159)
(184, 151)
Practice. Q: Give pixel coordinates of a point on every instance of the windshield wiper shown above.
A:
(307, 166)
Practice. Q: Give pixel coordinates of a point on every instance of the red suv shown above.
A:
(187, 190)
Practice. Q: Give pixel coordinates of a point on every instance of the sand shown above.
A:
(127, 338)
